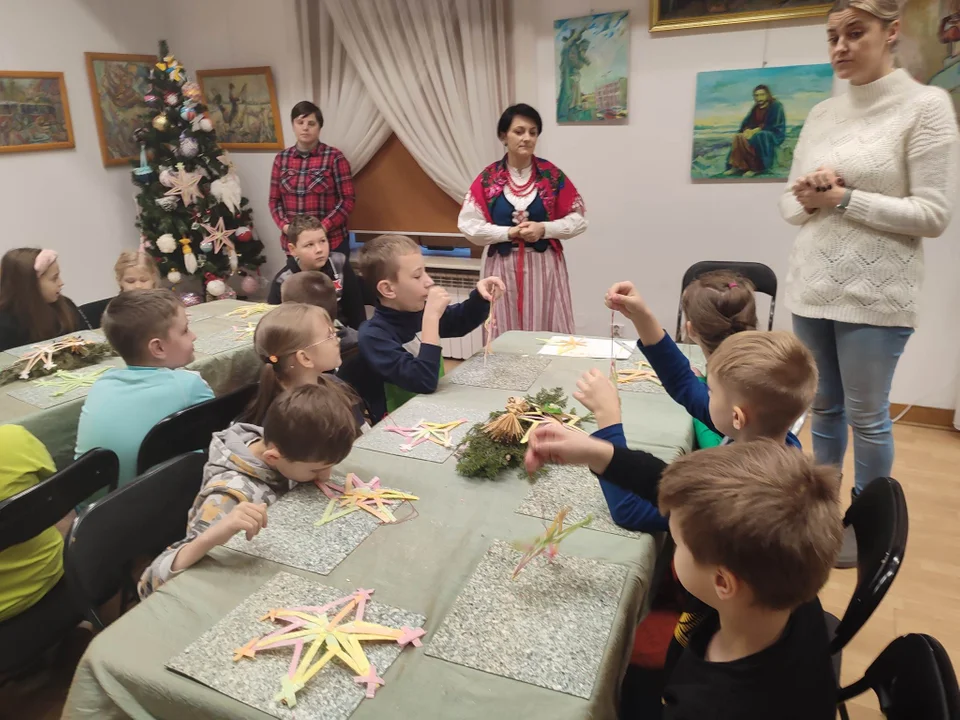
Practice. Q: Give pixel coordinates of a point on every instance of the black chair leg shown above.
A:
(842, 708)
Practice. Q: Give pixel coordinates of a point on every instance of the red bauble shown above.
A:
(243, 234)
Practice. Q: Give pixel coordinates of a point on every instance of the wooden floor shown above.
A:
(924, 598)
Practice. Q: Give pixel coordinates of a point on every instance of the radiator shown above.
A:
(459, 283)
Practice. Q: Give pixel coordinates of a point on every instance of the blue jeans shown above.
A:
(856, 364)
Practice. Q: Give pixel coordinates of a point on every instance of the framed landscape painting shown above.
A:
(747, 122)
(242, 103)
(117, 86)
(34, 112)
(592, 61)
(685, 14)
(929, 46)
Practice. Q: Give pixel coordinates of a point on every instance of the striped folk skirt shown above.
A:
(547, 306)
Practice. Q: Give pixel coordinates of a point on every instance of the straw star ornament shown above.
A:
(185, 185)
(219, 236)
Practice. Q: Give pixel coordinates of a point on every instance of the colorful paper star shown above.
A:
(43, 354)
(642, 372)
(70, 381)
(358, 495)
(424, 431)
(245, 333)
(341, 640)
(566, 344)
(547, 543)
(219, 236)
(185, 185)
(250, 310)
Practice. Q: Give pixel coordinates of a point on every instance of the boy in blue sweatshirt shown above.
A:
(401, 342)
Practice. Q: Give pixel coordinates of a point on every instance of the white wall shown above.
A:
(66, 199)
(649, 222)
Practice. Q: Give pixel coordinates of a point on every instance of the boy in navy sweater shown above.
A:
(401, 342)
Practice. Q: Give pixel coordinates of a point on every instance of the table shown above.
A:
(419, 565)
(56, 427)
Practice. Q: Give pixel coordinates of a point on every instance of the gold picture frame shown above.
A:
(117, 90)
(35, 111)
(667, 19)
(242, 103)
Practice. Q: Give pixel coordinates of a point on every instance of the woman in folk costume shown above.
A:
(520, 208)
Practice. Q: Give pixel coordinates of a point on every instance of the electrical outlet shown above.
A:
(617, 330)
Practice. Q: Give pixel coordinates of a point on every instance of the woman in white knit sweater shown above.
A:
(875, 171)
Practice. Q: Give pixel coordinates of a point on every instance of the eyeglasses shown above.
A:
(332, 336)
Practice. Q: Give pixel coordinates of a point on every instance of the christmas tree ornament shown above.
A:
(167, 203)
(171, 99)
(172, 68)
(143, 175)
(191, 91)
(189, 299)
(233, 260)
(189, 146)
(166, 177)
(173, 277)
(249, 284)
(219, 236)
(166, 243)
(151, 99)
(205, 125)
(189, 259)
(185, 185)
(207, 245)
(227, 161)
(188, 112)
(140, 135)
(161, 123)
(243, 234)
(216, 287)
(227, 190)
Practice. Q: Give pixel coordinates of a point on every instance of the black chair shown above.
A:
(93, 311)
(762, 277)
(913, 678)
(25, 637)
(135, 523)
(191, 428)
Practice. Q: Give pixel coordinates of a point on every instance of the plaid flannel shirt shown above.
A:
(318, 183)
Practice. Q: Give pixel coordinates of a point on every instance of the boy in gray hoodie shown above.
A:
(250, 468)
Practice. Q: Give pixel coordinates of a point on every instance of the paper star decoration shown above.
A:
(219, 236)
(70, 381)
(358, 495)
(185, 185)
(424, 431)
(336, 638)
(548, 542)
(245, 333)
(566, 345)
(642, 372)
(43, 354)
(250, 310)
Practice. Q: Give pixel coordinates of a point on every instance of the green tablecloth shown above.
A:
(56, 427)
(419, 565)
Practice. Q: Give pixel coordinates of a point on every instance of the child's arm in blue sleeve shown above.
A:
(679, 380)
(628, 509)
(465, 317)
(391, 361)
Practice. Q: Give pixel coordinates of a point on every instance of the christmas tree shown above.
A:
(193, 217)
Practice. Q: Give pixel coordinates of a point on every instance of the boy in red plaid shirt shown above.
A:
(311, 178)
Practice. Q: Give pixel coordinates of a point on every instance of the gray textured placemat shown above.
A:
(45, 396)
(503, 371)
(223, 341)
(408, 415)
(549, 627)
(645, 386)
(331, 694)
(576, 487)
(91, 335)
(292, 538)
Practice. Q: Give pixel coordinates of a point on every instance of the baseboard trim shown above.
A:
(924, 416)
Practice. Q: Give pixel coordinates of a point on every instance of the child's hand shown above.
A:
(599, 396)
(246, 516)
(559, 445)
(624, 298)
(437, 301)
(490, 288)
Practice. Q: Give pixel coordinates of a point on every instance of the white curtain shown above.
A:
(438, 72)
(352, 122)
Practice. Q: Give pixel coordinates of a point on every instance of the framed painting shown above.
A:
(34, 112)
(684, 14)
(929, 45)
(117, 86)
(592, 56)
(242, 103)
(747, 122)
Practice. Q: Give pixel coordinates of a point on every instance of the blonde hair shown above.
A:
(279, 335)
(884, 10)
(773, 374)
(762, 510)
(134, 318)
(719, 304)
(133, 259)
(379, 258)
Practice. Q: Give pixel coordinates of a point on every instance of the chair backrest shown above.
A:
(191, 428)
(137, 521)
(913, 678)
(879, 520)
(763, 278)
(93, 311)
(28, 513)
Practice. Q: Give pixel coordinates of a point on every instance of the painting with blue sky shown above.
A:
(592, 58)
(747, 122)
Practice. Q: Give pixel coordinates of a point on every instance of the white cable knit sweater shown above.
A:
(895, 142)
